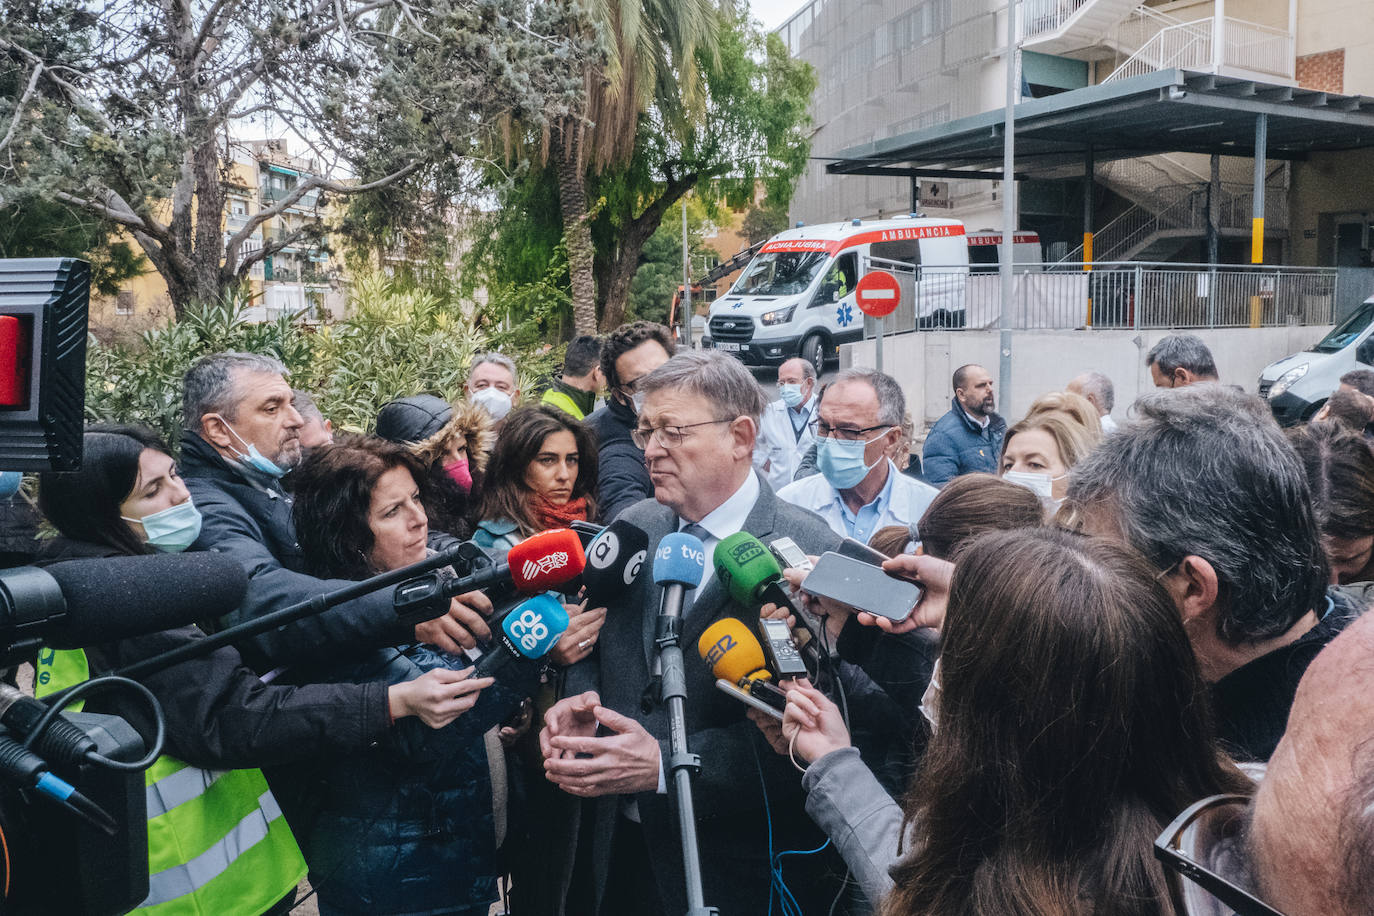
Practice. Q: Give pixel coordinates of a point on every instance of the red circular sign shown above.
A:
(877, 294)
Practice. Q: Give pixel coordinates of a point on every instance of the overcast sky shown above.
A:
(773, 13)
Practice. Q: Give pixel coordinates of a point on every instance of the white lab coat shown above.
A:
(778, 447)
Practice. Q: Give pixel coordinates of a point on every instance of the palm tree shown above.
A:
(649, 59)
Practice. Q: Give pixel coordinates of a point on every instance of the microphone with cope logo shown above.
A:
(540, 562)
(529, 631)
(752, 576)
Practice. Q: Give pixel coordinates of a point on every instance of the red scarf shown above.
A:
(550, 516)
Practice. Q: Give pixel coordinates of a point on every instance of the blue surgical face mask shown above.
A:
(254, 458)
(842, 462)
(791, 395)
(171, 530)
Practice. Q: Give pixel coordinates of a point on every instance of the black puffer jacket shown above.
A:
(219, 714)
(250, 519)
(406, 826)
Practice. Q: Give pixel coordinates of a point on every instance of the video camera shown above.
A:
(53, 859)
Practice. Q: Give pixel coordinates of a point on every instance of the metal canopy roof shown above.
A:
(1167, 111)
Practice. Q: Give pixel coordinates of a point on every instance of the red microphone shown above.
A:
(544, 561)
(539, 563)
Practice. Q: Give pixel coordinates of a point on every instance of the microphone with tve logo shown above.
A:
(543, 561)
(527, 632)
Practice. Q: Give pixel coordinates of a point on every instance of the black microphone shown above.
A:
(88, 602)
(615, 560)
(540, 562)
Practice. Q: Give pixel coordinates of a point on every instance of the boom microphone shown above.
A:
(735, 656)
(527, 632)
(542, 561)
(615, 559)
(88, 602)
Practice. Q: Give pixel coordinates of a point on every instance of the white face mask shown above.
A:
(930, 700)
(493, 400)
(1040, 483)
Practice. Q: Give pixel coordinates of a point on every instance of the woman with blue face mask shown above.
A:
(127, 500)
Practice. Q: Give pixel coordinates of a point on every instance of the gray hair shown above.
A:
(808, 370)
(1205, 471)
(1099, 388)
(305, 405)
(1182, 351)
(208, 386)
(500, 359)
(891, 401)
(721, 379)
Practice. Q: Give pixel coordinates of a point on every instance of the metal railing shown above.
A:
(1116, 295)
(1189, 46)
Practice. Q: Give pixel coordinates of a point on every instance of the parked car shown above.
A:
(1297, 386)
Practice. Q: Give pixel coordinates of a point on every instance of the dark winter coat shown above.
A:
(249, 518)
(622, 479)
(956, 445)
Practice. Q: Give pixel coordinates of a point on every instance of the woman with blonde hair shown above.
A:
(1075, 405)
(1039, 451)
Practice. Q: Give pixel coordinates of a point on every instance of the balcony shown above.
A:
(1240, 48)
(309, 201)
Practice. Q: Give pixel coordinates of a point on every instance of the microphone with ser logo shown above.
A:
(736, 658)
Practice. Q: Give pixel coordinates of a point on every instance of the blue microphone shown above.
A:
(529, 631)
(679, 564)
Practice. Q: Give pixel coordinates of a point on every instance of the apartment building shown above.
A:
(301, 278)
(887, 68)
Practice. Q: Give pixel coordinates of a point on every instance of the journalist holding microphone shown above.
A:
(128, 500)
(697, 421)
(240, 438)
(1070, 725)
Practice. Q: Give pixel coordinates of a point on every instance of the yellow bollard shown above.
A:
(1257, 240)
(1256, 311)
(1088, 266)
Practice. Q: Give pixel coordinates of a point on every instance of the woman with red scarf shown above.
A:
(541, 475)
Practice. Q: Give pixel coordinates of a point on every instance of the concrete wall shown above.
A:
(1046, 360)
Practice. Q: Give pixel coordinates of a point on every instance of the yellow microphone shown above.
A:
(736, 658)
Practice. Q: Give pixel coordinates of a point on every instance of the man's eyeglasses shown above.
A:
(823, 430)
(1201, 844)
(666, 436)
(628, 388)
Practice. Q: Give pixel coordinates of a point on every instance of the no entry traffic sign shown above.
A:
(877, 294)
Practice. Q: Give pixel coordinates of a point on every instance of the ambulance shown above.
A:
(796, 297)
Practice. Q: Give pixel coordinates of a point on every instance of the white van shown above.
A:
(1297, 386)
(796, 297)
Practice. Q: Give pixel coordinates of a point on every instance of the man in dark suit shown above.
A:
(697, 422)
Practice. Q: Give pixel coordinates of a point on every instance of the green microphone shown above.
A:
(752, 576)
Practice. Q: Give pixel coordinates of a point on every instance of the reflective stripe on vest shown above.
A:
(217, 842)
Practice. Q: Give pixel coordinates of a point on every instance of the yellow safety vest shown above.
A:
(564, 403)
(217, 842)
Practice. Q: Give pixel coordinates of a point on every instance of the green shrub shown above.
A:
(396, 341)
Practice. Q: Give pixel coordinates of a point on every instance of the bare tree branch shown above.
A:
(23, 101)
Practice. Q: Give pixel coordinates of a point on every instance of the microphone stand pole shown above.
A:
(460, 553)
(682, 764)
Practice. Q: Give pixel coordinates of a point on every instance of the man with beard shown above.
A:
(242, 435)
(969, 437)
